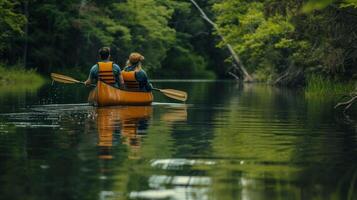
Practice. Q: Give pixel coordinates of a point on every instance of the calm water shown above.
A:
(227, 142)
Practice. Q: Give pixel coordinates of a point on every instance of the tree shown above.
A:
(281, 44)
(11, 23)
(147, 22)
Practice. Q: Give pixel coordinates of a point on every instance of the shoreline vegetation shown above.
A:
(16, 79)
(278, 39)
(280, 42)
(322, 86)
(315, 85)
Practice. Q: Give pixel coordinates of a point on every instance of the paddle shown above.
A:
(175, 94)
(64, 79)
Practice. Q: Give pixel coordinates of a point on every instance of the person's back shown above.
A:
(134, 76)
(105, 70)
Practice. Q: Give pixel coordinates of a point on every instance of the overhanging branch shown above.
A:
(247, 77)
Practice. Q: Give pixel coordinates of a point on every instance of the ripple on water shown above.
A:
(176, 193)
(46, 116)
(177, 163)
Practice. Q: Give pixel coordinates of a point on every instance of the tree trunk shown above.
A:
(26, 29)
(247, 77)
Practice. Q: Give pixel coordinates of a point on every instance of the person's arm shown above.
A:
(120, 76)
(92, 75)
(87, 82)
(143, 79)
(121, 79)
(149, 86)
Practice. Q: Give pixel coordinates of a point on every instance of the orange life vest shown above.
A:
(105, 71)
(130, 81)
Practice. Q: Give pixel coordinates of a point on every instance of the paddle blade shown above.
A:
(175, 94)
(63, 79)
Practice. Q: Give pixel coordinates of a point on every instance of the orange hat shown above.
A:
(135, 57)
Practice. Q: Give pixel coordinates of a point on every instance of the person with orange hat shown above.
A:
(134, 76)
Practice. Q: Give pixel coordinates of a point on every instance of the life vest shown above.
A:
(130, 81)
(106, 72)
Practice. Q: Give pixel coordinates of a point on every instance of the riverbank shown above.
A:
(318, 85)
(17, 79)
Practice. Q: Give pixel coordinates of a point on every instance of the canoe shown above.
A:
(107, 95)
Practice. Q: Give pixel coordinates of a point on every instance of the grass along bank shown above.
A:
(318, 85)
(19, 79)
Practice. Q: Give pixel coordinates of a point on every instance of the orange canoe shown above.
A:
(106, 95)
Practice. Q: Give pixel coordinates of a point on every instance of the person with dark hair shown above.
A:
(134, 76)
(105, 70)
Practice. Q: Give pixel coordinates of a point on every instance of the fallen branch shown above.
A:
(291, 77)
(235, 76)
(348, 103)
(247, 77)
(281, 78)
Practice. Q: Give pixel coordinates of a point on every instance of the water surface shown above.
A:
(227, 142)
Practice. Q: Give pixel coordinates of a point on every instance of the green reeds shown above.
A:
(319, 85)
(19, 79)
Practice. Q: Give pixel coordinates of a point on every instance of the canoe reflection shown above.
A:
(131, 122)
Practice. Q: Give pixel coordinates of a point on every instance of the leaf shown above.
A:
(316, 5)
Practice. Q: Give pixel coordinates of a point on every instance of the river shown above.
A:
(227, 142)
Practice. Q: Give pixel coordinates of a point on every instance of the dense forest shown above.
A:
(281, 42)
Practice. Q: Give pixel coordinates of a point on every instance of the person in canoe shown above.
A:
(105, 70)
(134, 76)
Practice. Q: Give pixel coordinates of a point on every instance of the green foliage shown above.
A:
(272, 37)
(193, 54)
(265, 74)
(11, 22)
(184, 63)
(148, 25)
(97, 24)
(349, 3)
(258, 39)
(316, 5)
(321, 4)
(275, 38)
(16, 77)
(66, 35)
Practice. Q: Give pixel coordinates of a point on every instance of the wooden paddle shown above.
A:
(174, 94)
(64, 79)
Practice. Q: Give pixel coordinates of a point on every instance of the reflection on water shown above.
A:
(228, 142)
(130, 121)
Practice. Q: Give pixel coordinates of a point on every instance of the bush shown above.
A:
(16, 75)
